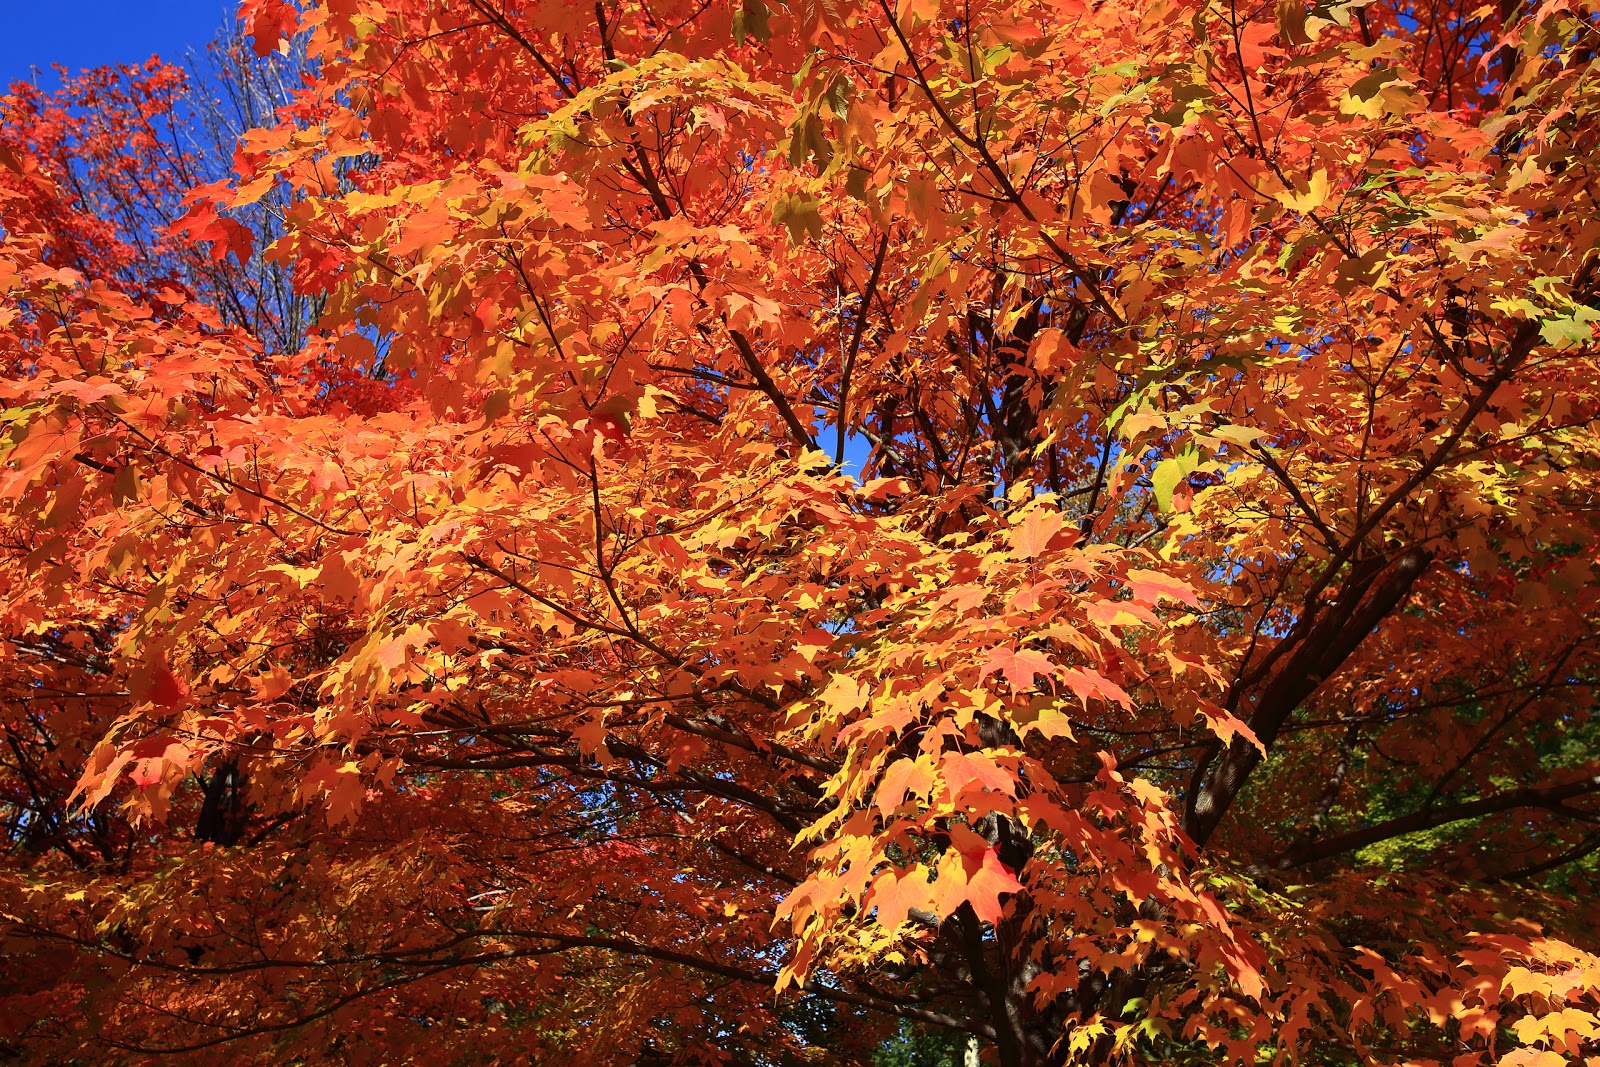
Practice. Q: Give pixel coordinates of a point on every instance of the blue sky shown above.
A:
(88, 33)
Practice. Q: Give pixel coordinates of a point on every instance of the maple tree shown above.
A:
(125, 145)
(1066, 524)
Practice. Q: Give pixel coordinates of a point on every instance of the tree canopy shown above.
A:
(723, 532)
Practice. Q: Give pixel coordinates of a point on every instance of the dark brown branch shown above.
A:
(1363, 602)
(855, 347)
(1547, 797)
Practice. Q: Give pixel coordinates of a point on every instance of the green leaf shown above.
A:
(1169, 472)
(1570, 331)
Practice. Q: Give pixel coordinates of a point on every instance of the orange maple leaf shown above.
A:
(1019, 667)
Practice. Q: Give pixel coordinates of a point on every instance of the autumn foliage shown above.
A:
(1072, 524)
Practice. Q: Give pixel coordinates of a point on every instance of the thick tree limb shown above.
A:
(1363, 602)
(1550, 797)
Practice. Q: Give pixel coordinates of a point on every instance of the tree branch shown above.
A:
(1549, 797)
